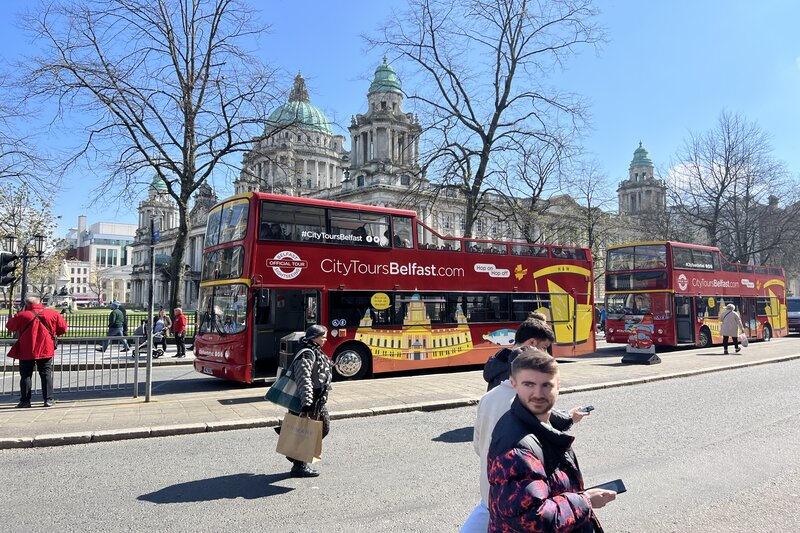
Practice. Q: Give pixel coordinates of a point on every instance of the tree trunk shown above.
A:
(177, 264)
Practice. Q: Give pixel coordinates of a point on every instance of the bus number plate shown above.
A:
(208, 371)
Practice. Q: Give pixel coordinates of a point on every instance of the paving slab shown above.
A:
(238, 407)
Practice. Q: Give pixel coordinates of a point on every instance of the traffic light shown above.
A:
(8, 267)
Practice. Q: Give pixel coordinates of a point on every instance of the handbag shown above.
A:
(300, 438)
(743, 340)
(284, 391)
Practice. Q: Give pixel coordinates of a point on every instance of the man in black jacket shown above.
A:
(534, 332)
(535, 482)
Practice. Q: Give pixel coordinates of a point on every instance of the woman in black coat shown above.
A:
(313, 372)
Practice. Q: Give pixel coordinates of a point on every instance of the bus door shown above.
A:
(748, 313)
(279, 312)
(684, 319)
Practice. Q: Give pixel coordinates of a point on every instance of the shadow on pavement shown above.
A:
(456, 435)
(247, 486)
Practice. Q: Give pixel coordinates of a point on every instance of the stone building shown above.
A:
(298, 154)
(159, 204)
(642, 193)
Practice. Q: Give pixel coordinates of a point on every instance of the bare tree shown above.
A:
(168, 85)
(23, 215)
(482, 67)
(722, 182)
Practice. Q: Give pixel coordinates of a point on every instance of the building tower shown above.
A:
(641, 193)
(384, 143)
(298, 153)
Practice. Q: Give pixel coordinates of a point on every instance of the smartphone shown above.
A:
(587, 409)
(617, 486)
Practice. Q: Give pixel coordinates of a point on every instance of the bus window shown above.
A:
(746, 268)
(226, 263)
(620, 259)
(529, 250)
(403, 234)
(762, 270)
(233, 223)
(212, 227)
(728, 267)
(416, 308)
(427, 239)
(650, 256)
(223, 309)
(349, 309)
(358, 228)
(300, 223)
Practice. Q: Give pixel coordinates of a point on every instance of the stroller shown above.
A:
(158, 337)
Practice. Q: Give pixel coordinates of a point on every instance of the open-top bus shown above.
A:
(671, 294)
(393, 293)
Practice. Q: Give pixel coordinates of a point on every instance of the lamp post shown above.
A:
(37, 241)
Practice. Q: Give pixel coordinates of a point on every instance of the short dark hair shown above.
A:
(534, 360)
(537, 316)
(534, 329)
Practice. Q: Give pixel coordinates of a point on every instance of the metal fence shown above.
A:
(78, 366)
(82, 325)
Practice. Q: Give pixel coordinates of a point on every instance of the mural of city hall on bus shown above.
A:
(419, 339)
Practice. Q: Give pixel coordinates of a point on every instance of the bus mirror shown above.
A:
(262, 298)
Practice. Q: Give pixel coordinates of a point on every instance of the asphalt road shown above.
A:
(718, 452)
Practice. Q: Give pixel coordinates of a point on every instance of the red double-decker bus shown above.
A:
(393, 293)
(671, 294)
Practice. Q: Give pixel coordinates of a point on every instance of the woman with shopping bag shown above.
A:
(312, 371)
(731, 322)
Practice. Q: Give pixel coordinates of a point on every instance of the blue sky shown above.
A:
(669, 67)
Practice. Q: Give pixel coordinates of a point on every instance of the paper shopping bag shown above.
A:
(301, 438)
(743, 340)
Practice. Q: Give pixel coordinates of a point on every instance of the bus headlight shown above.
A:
(226, 354)
(611, 330)
(660, 332)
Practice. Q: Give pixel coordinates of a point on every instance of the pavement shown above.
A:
(228, 406)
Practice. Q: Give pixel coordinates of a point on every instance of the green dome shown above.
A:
(385, 80)
(158, 184)
(299, 112)
(641, 158)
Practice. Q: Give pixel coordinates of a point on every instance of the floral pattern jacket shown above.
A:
(535, 481)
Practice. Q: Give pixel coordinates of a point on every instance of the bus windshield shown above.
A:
(223, 309)
(649, 256)
(638, 303)
(227, 223)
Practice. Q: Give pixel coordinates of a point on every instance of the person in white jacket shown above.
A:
(492, 406)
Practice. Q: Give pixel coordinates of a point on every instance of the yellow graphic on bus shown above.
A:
(563, 305)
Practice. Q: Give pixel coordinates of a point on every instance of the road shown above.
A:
(717, 452)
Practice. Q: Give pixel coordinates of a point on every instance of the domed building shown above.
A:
(298, 153)
(642, 192)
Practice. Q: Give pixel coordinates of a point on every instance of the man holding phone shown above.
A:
(535, 482)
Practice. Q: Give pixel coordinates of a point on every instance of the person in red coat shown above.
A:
(36, 329)
(179, 329)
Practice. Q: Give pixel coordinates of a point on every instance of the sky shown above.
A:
(669, 68)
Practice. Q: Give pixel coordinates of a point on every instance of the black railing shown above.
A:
(95, 324)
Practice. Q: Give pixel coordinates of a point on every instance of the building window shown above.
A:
(405, 180)
(383, 105)
(360, 181)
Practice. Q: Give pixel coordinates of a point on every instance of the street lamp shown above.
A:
(10, 244)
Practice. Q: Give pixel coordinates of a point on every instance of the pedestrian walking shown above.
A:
(116, 321)
(533, 332)
(312, 371)
(603, 320)
(179, 330)
(535, 483)
(493, 405)
(731, 323)
(162, 325)
(36, 329)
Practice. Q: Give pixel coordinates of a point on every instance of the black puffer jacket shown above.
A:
(498, 367)
(313, 375)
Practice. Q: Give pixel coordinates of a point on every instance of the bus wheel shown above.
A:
(351, 363)
(767, 334)
(704, 338)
